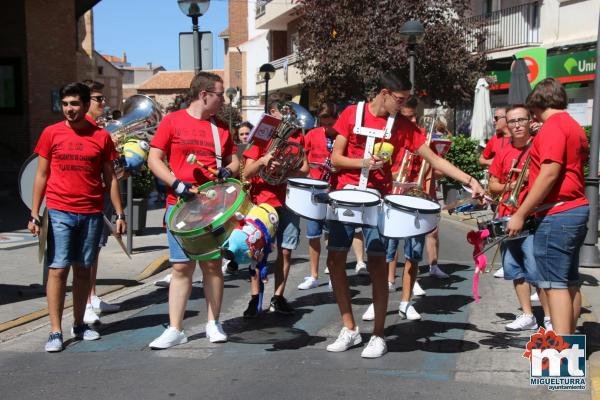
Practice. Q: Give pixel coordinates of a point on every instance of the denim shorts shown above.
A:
(518, 261)
(315, 229)
(108, 212)
(73, 238)
(288, 230)
(556, 245)
(176, 253)
(341, 236)
(413, 248)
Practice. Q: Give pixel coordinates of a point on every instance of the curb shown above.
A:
(156, 266)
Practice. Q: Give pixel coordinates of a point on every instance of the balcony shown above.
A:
(275, 15)
(511, 27)
(286, 75)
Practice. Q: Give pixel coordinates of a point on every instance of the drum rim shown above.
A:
(351, 204)
(308, 218)
(216, 223)
(320, 185)
(413, 209)
(405, 237)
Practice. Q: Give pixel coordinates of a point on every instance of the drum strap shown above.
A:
(217, 141)
(371, 134)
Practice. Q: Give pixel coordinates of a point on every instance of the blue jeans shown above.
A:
(556, 245)
(315, 229)
(341, 236)
(413, 248)
(176, 253)
(518, 261)
(73, 238)
(288, 230)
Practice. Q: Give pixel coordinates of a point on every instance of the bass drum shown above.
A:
(26, 177)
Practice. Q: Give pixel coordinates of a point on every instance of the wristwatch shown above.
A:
(35, 221)
(121, 216)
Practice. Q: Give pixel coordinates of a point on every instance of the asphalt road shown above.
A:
(459, 351)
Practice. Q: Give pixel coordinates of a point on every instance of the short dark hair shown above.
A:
(76, 89)
(548, 93)
(411, 102)
(94, 86)
(394, 80)
(515, 106)
(203, 81)
(245, 124)
(327, 110)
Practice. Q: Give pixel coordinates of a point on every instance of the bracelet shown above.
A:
(35, 221)
(469, 181)
(121, 216)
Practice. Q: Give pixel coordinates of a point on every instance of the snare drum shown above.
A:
(307, 198)
(407, 216)
(201, 225)
(497, 228)
(353, 207)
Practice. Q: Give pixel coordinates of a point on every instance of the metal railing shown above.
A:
(279, 63)
(506, 28)
(261, 7)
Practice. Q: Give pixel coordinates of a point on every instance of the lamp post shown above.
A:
(230, 93)
(412, 32)
(266, 71)
(195, 9)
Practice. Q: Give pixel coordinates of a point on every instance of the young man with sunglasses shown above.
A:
(498, 141)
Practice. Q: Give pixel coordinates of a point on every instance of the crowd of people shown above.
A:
(76, 175)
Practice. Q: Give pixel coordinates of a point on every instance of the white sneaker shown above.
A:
(418, 290)
(330, 286)
(309, 283)
(169, 338)
(392, 287)
(84, 332)
(407, 311)
(215, 333)
(90, 316)
(103, 306)
(534, 297)
(369, 315)
(164, 282)
(361, 268)
(326, 270)
(523, 322)
(375, 349)
(548, 324)
(436, 272)
(345, 340)
(499, 273)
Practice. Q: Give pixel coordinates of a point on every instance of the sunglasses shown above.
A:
(98, 99)
(498, 118)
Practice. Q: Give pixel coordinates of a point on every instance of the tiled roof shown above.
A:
(172, 80)
(225, 33)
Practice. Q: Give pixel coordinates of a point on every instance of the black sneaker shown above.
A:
(252, 310)
(280, 305)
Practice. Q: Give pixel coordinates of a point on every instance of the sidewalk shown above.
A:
(21, 296)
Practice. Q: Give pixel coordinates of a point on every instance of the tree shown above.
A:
(346, 44)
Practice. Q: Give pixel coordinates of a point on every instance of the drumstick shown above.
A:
(192, 159)
(210, 193)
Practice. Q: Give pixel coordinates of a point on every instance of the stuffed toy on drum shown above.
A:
(251, 241)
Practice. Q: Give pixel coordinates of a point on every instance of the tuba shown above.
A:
(287, 156)
(418, 188)
(140, 116)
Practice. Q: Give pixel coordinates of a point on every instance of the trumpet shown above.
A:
(287, 156)
(513, 199)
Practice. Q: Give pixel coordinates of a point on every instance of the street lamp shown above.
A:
(230, 93)
(266, 72)
(195, 9)
(412, 32)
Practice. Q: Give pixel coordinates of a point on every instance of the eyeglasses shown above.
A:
(98, 99)
(498, 117)
(517, 121)
(397, 99)
(219, 94)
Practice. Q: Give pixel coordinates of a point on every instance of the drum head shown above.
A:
(307, 182)
(410, 203)
(353, 197)
(211, 207)
(26, 177)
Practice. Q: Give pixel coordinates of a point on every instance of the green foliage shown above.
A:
(464, 154)
(143, 183)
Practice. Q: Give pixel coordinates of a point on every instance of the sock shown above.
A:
(95, 302)
(404, 305)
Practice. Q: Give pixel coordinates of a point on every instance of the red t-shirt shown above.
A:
(500, 168)
(178, 135)
(76, 161)
(561, 140)
(405, 135)
(261, 191)
(494, 145)
(318, 149)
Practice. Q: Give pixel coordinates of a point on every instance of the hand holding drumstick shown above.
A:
(192, 159)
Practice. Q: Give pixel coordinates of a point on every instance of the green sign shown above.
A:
(536, 59)
(573, 66)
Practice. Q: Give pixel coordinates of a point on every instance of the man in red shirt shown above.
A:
(288, 229)
(557, 197)
(498, 141)
(193, 130)
(517, 255)
(355, 162)
(74, 156)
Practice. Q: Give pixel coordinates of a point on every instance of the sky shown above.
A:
(148, 30)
